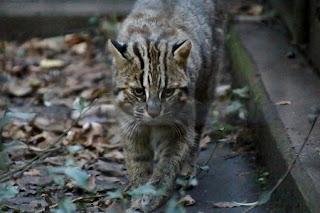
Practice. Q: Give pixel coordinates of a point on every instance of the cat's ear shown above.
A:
(181, 52)
(117, 50)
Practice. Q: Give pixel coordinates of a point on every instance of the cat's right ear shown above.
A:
(117, 50)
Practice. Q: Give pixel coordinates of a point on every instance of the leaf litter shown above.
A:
(57, 78)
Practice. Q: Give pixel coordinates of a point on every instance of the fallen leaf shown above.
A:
(91, 183)
(108, 202)
(225, 205)
(73, 39)
(255, 10)
(115, 207)
(112, 169)
(108, 180)
(204, 141)
(187, 201)
(232, 204)
(283, 103)
(51, 63)
(32, 172)
(114, 155)
(222, 90)
(80, 49)
(19, 90)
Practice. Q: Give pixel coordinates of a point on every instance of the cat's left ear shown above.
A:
(118, 49)
(181, 52)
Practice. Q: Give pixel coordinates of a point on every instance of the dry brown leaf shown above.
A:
(232, 204)
(51, 63)
(44, 139)
(226, 205)
(86, 154)
(108, 168)
(187, 201)
(108, 202)
(115, 207)
(255, 10)
(73, 39)
(108, 180)
(204, 141)
(114, 155)
(32, 172)
(75, 136)
(91, 183)
(283, 103)
(19, 89)
(80, 49)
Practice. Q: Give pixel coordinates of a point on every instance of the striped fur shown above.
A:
(164, 61)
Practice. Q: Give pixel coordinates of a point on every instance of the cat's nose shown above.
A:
(154, 110)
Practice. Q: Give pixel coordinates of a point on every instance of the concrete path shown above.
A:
(228, 180)
(260, 60)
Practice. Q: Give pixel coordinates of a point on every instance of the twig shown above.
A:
(48, 150)
(291, 165)
(76, 200)
(9, 207)
(208, 160)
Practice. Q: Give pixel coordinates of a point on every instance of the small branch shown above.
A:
(2, 207)
(291, 165)
(76, 200)
(208, 160)
(50, 149)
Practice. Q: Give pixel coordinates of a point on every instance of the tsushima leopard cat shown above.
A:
(164, 63)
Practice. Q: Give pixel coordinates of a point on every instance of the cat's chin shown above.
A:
(151, 121)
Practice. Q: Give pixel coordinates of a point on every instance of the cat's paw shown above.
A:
(150, 202)
(132, 210)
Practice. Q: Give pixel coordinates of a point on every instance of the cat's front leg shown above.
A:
(139, 160)
(169, 167)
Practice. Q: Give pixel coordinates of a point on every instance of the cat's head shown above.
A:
(150, 78)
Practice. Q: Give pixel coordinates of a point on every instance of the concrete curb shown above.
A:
(254, 50)
(21, 20)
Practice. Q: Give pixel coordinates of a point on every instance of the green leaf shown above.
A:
(265, 197)
(193, 182)
(115, 195)
(79, 176)
(13, 145)
(204, 168)
(145, 189)
(241, 92)
(66, 206)
(7, 191)
(234, 107)
(9, 115)
(315, 109)
(59, 180)
(4, 161)
(312, 118)
(4, 121)
(21, 115)
(9, 147)
(79, 106)
(73, 149)
(70, 162)
(174, 207)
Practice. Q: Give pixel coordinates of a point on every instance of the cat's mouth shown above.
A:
(149, 121)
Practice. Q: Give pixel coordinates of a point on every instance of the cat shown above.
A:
(164, 64)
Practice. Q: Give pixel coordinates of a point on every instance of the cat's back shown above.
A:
(168, 19)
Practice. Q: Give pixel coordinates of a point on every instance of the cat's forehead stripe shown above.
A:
(154, 71)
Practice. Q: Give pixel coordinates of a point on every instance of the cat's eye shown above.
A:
(168, 92)
(138, 91)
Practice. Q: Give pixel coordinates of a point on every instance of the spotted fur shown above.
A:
(164, 61)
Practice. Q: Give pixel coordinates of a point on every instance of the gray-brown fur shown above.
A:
(164, 62)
